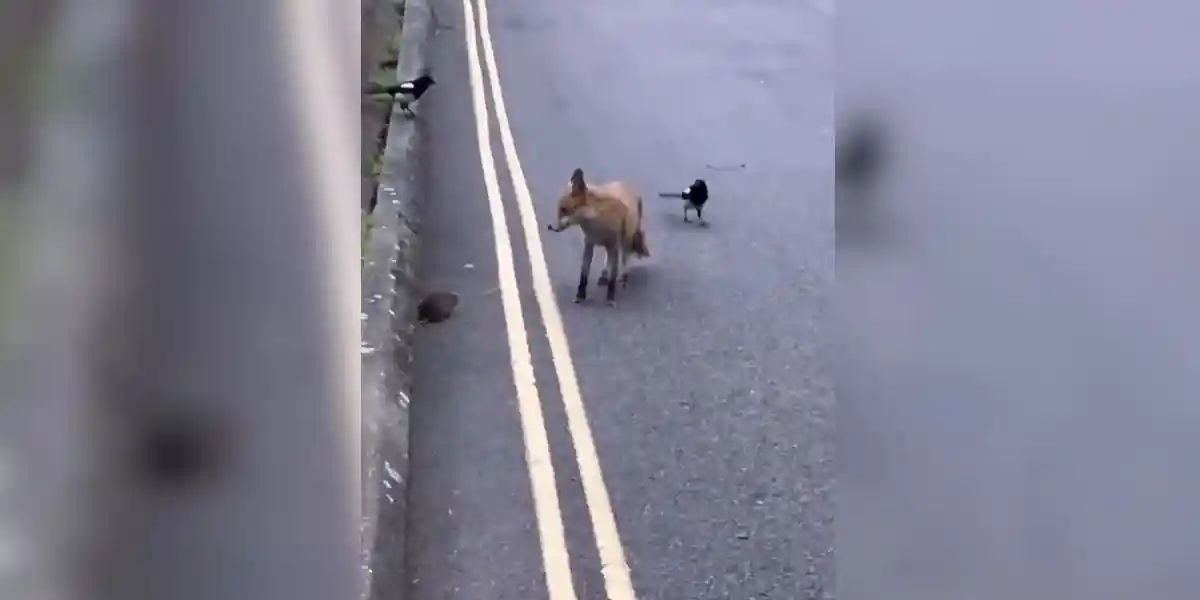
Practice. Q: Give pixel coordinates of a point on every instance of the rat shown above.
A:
(437, 307)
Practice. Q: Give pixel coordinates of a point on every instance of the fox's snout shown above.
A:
(565, 219)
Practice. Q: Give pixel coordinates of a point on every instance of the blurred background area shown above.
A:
(1019, 389)
(23, 31)
(179, 299)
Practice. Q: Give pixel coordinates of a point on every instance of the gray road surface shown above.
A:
(707, 387)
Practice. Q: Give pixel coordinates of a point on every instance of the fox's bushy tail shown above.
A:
(638, 244)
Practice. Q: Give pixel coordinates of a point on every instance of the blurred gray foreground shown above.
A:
(179, 410)
(1019, 404)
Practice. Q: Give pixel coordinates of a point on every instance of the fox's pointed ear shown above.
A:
(578, 187)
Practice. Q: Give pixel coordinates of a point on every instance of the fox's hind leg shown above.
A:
(614, 264)
(585, 269)
(606, 273)
(624, 268)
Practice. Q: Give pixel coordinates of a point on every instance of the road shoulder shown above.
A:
(389, 303)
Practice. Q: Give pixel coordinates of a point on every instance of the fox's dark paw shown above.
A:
(611, 303)
(580, 299)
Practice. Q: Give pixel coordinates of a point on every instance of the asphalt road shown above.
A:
(707, 388)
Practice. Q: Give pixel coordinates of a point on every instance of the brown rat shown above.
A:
(437, 307)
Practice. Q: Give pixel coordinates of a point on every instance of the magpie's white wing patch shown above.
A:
(407, 85)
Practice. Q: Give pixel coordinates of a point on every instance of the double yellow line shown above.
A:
(551, 529)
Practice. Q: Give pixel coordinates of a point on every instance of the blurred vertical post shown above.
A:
(181, 400)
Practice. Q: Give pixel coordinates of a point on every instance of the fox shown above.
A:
(610, 216)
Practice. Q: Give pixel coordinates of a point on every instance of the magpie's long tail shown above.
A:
(393, 89)
(670, 195)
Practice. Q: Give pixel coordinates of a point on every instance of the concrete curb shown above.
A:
(389, 320)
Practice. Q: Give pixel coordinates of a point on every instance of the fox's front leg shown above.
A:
(584, 270)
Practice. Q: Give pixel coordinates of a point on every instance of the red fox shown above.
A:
(610, 215)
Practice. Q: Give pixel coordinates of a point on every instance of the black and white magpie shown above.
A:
(694, 197)
(408, 92)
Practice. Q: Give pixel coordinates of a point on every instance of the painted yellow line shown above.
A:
(617, 581)
(555, 559)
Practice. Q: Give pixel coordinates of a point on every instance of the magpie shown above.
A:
(694, 197)
(408, 92)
